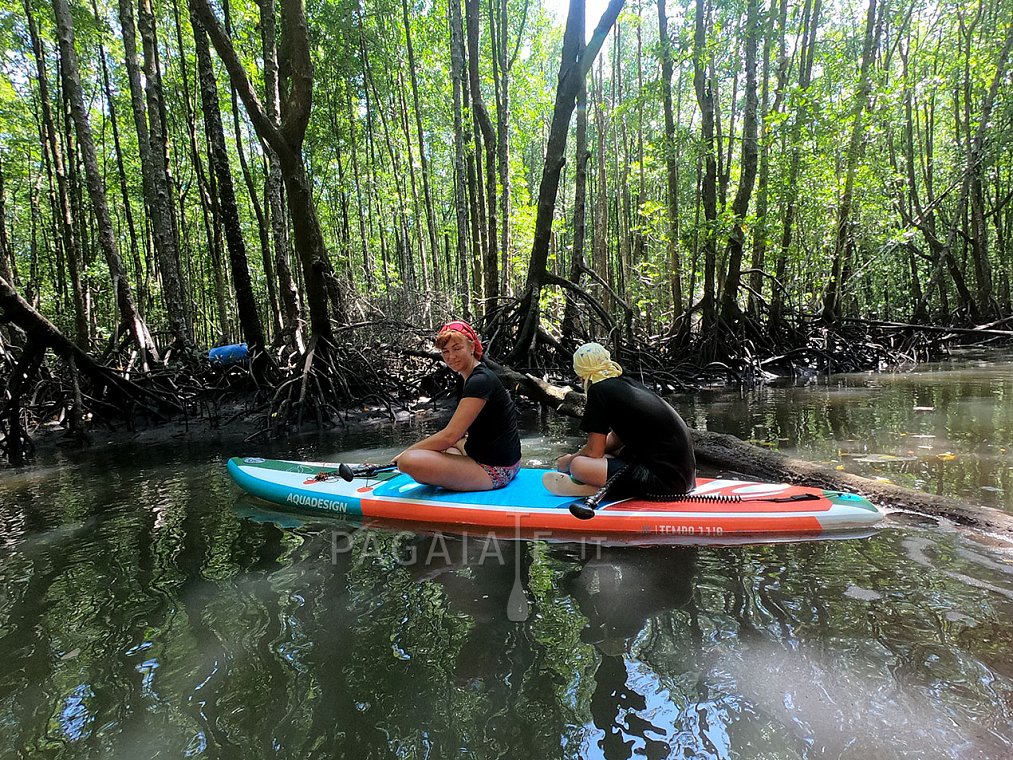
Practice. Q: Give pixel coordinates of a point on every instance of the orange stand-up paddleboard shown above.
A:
(716, 509)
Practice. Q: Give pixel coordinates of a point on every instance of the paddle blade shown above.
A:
(347, 472)
(581, 511)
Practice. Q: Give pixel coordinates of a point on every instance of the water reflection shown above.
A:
(145, 612)
(623, 593)
(943, 428)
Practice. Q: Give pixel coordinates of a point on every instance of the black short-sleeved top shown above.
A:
(493, 438)
(652, 432)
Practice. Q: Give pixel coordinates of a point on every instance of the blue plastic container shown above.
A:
(226, 356)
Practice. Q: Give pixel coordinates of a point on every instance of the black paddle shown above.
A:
(583, 509)
(348, 472)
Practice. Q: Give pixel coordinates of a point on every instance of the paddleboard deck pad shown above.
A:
(716, 508)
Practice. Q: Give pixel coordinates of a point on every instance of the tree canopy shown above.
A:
(181, 175)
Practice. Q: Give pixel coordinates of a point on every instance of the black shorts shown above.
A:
(636, 480)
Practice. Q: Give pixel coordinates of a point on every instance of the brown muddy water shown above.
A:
(148, 609)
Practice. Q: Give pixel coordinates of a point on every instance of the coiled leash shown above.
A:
(584, 509)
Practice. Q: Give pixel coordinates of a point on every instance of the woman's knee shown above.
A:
(589, 470)
(412, 462)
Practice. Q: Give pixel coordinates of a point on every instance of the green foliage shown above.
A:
(365, 156)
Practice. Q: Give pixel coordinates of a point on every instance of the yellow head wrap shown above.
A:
(592, 362)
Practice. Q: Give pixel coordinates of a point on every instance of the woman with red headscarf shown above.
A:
(485, 414)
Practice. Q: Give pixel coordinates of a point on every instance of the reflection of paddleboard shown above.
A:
(255, 512)
(717, 508)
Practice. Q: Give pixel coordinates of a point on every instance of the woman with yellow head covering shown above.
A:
(629, 427)
(592, 362)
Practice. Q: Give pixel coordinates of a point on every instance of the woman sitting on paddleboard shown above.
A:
(628, 426)
(485, 414)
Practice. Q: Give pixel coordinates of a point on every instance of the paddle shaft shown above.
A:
(584, 508)
(347, 472)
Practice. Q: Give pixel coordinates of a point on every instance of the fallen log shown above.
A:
(43, 334)
(988, 330)
(726, 452)
(562, 399)
(730, 453)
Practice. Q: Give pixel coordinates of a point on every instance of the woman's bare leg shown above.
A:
(453, 471)
(590, 470)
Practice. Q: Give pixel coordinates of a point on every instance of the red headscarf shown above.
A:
(467, 331)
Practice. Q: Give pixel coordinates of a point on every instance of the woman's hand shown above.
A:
(594, 448)
(458, 448)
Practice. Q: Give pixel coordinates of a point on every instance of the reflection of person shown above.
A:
(628, 426)
(618, 592)
(482, 577)
(622, 587)
(485, 414)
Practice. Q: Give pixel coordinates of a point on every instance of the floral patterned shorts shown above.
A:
(500, 476)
